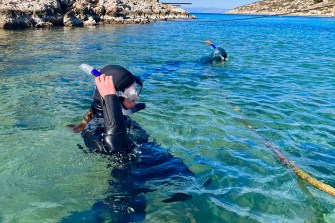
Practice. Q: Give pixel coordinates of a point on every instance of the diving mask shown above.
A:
(132, 92)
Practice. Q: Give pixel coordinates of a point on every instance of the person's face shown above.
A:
(128, 103)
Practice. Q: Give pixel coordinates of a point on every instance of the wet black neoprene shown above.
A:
(107, 131)
(114, 138)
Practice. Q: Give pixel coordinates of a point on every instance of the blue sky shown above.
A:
(223, 4)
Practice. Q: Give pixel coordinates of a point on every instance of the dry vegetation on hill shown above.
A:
(290, 7)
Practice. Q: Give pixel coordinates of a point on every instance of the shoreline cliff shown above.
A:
(20, 14)
(325, 8)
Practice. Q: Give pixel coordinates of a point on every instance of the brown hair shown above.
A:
(87, 118)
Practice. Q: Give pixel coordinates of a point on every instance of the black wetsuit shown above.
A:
(218, 55)
(134, 162)
(107, 133)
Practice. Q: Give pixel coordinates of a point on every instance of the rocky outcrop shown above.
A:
(16, 14)
(288, 7)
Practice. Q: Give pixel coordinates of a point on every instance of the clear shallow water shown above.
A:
(280, 74)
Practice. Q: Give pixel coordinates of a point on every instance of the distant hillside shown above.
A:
(205, 10)
(293, 7)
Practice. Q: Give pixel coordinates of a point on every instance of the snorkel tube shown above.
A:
(89, 70)
(219, 53)
(210, 43)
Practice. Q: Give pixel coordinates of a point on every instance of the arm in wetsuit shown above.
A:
(106, 133)
(114, 138)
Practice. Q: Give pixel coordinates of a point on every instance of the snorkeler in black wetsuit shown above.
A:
(106, 132)
(108, 129)
(218, 55)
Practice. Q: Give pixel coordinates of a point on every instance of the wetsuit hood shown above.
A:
(219, 54)
(122, 79)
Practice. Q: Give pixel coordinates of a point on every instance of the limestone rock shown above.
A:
(17, 14)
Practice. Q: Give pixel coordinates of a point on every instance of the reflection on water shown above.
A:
(280, 77)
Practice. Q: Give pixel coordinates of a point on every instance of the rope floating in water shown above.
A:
(283, 160)
(300, 172)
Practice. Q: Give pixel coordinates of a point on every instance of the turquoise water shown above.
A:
(280, 78)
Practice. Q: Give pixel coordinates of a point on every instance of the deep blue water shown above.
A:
(280, 79)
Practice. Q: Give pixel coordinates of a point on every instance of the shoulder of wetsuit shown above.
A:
(97, 109)
(96, 104)
(206, 60)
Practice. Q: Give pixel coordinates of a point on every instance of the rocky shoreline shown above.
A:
(20, 14)
(321, 8)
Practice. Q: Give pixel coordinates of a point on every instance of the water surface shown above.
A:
(280, 78)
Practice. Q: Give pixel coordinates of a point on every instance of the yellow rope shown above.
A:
(299, 172)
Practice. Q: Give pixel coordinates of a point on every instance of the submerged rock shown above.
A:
(18, 14)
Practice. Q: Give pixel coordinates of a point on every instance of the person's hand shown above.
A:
(105, 85)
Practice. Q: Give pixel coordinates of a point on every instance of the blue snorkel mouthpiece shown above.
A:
(89, 70)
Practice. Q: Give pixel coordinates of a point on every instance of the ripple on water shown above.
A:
(277, 81)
